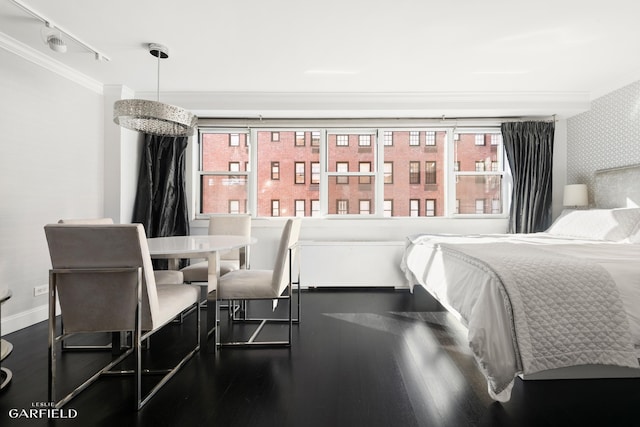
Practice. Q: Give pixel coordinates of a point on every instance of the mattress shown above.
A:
(455, 271)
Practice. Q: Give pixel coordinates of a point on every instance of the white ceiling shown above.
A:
(556, 48)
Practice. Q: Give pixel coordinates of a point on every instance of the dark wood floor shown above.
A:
(359, 358)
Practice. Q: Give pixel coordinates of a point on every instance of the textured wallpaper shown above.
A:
(606, 136)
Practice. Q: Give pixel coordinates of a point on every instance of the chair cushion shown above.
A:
(199, 271)
(173, 300)
(168, 277)
(241, 284)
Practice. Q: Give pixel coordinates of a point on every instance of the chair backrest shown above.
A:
(86, 221)
(234, 224)
(102, 301)
(290, 235)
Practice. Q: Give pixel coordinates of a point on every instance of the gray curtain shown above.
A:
(529, 149)
(161, 202)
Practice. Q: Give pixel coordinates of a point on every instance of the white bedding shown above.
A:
(464, 284)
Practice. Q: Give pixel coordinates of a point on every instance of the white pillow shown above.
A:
(597, 224)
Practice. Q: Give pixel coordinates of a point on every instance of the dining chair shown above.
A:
(232, 224)
(103, 277)
(246, 285)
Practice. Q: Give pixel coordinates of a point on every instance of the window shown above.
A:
(300, 175)
(429, 172)
(388, 138)
(343, 207)
(414, 138)
(315, 172)
(221, 182)
(479, 206)
(342, 167)
(388, 209)
(365, 207)
(479, 138)
(430, 138)
(414, 172)
(414, 207)
(300, 139)
(365, 167)
(299, 204)
(247, 177)
(430, 207)
(364, 140)
(388, 172)
(275, 170)
(315, 138)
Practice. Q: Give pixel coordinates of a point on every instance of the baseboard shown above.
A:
(27, 318)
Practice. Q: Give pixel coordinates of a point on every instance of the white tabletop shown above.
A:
(195, 246)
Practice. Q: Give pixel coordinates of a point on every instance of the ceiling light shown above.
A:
(56, 43)
(154, 117)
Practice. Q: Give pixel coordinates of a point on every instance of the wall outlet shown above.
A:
(40, 290)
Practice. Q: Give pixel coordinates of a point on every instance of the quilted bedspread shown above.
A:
(563, 310)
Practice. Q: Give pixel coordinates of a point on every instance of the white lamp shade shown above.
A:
(575, 195)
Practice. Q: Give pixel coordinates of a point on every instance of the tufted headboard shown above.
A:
(617, 187)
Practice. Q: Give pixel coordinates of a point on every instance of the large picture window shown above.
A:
(406, 172)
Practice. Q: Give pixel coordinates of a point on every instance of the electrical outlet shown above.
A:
(40, 290)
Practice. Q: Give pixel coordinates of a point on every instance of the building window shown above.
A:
(275, 207)
(234, 166)
(234, 206)
(387, 209)
(414, 138)
(429, 172)
(496, 206)
(388, 138)
(299, 205)
(388, 172)
(496, 139)
(275, 136)
(414, 207)
(300, 139)
(342, 207)
(479, 139)
(430, 137)
(300, 174)
(479, 166)
(365, 207)
(364, 140)
(494, 166)
(315, 208)
(234, 140)
(342, 167)
(479, 206)
(430, 207)
(414, 172)
(315, 138)
(315, 172)
(456, 166)
(275, 171)
(342, 140)
(365, 167)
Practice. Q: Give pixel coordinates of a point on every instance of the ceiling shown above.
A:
(454, 47)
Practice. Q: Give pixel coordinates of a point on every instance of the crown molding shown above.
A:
(36, 57)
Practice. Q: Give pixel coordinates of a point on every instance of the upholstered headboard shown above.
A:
(617, 187)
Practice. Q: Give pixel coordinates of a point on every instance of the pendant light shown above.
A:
(154, 117)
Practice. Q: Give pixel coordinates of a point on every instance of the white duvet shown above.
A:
(456, 271)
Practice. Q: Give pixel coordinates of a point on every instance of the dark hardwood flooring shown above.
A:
(359, 358)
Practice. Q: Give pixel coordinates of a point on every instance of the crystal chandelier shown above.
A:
(154, 117)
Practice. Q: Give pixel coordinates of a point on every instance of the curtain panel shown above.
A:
(161, 202)
(529, 149)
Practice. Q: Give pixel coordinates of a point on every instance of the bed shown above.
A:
(564, 303)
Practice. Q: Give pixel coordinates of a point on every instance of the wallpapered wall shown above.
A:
(606, 136)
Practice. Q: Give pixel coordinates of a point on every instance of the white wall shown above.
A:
(51, 167)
